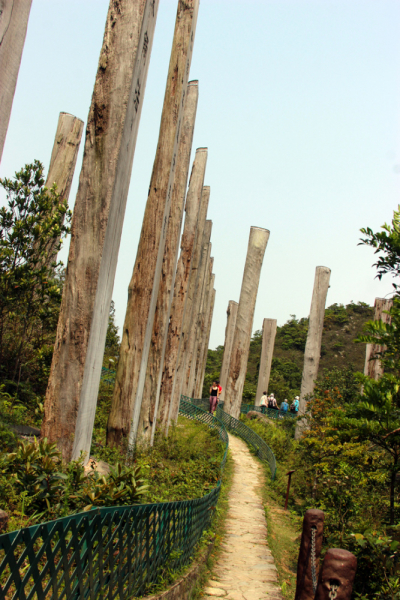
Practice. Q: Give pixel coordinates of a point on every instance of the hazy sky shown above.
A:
(299, 106)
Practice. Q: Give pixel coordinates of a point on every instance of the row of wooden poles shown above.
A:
(170, 300)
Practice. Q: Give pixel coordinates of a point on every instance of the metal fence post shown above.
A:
(310, 550)
(337, 575)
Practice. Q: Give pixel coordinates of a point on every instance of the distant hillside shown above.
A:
(341, 326)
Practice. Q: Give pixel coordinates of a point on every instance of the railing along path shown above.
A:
(116, 552)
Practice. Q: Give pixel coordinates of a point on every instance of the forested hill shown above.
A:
(341, 326)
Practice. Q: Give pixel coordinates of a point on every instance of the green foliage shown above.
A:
(32, 226)
(185, 465)
(387, 246)
(294, 334)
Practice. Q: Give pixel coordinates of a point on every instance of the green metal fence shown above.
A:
(272, 413)
(112, 553)
(263, 451)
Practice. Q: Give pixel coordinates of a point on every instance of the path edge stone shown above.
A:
(182, 588)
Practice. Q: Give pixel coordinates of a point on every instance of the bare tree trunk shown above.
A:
(147, 421)
(14, 15)
(198, 341)
(373, 366)
(229, 334)
(192, 336)
(194, 211)
(267, 352)
(62, 163)
(177, 385)
(244, 321)
(143, 288)
(205, 336)
(312, 352)
(111, 133)
(205, 352)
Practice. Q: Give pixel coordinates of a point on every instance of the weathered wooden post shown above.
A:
(199, 339)
(202, 275)
(267, 352)
(111, 133)
(337, 575)
(244, 321)
(205, 336)
(309, 554)
(14, 15)
(196, 211)
(229, 333)
(126, 406)
(373, 366)
(148, 414)
(312, 352)
(210, 318)
(63, 160)
(200, 252)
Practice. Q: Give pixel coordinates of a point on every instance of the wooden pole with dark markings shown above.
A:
(244, 321)
(124, 418)
(267, 352)
(373, 366)
(14, 15)
(148, 414)
(111, 133)
(229, 333)
(183, 271)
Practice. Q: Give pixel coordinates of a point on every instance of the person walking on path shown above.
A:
(295, 405)
(284, 406)
(272, 402)
(263, 402)
(214, 395)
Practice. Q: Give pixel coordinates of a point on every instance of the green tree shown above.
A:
(32, 226)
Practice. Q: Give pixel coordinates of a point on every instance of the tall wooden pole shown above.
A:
(63, 159)
(244, 321)
(111, 133)
(204, 228)
(205, 336)
(196, 210)
(192, 336)
(147, 420)
(312, 351)
(14, 15)
(205, 352)
(229, 334)
(373, 366)
(267, 352)
(143, 288)
(208, 284)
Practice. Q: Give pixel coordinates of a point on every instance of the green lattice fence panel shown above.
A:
(112, 553)
(272, 413)
(263, 451)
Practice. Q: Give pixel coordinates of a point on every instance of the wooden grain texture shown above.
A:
(206, 345)
(267, 352)
(187, 315)
(244, 320)
(198, 296)
(312, 353)
(205, 336)
(373, 366)
(201, 323)
(231, 313)
(111, 133)
(188, 241)
(147, 420)
(14, 15)
(63, 161)
(143, 288)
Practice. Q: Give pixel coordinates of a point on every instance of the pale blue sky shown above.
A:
(300, 108)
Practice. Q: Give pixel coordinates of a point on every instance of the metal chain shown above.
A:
(333, 590)
(313, 559)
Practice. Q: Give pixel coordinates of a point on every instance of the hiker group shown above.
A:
(270, 402)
